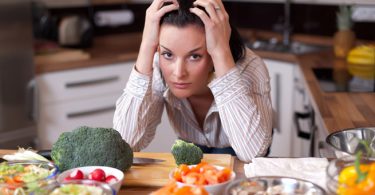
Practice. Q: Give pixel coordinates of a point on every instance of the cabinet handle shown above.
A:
(302, 133)
(278, 96)
(90, 112)
(92, 82)
(306, 134)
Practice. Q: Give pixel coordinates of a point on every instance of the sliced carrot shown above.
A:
(18, 179)
(224, 175)
(184, 190)
(194, 178)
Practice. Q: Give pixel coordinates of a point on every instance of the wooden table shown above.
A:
(133, 190)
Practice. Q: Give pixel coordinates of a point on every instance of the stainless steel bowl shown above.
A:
(349, 141)
(273, 185)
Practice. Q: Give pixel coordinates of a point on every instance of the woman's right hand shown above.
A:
(152, 21)
(150, 37)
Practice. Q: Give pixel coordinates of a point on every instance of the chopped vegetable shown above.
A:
(23, 178)
(172, 189)
(201, 174)
(357, 179)
(77, 189)
(25, 155)
(110, 179)
(76, 174)
(97, 175)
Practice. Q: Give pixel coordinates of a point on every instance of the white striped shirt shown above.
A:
(240, 115)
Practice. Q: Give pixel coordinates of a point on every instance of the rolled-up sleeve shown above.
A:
(138, 111)
(243, 100)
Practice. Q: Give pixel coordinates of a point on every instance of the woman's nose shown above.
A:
(180, 69)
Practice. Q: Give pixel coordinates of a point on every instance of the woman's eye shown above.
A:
(195, 57)
(166, 55)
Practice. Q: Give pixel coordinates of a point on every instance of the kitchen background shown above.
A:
(52, 101)
(314, 18)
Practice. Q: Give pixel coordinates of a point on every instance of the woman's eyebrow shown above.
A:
(165, 47)
(192, 51)
(196, 49)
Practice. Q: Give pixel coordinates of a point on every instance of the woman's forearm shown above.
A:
(138, 112)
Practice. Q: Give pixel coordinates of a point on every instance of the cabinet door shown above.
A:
(81, 83)
(58, 118)
(282, 85)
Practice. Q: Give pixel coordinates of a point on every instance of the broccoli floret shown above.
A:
(87, 146)
(186, 153)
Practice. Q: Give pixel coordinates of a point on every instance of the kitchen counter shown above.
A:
(106, 50)
(338, 110)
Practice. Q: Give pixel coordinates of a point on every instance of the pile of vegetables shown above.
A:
(20, 179)
(201, 174)
(87, 146)
(77, 189)
(186, 153)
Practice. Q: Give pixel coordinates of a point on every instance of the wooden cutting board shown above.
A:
(156, 175)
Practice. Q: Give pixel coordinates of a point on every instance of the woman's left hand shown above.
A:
(217, 29)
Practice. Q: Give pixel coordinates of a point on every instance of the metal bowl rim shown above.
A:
(276, 178)
(345, 130)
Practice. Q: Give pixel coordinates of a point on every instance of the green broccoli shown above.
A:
(87, 146)
(186, 153)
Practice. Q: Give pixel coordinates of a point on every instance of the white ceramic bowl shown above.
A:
(213, 188)
(88, 169)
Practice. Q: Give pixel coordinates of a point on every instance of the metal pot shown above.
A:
(350, 141)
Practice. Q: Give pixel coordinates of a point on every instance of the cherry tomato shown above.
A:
(97, 175)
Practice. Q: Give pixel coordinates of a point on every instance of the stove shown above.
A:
(340, 80)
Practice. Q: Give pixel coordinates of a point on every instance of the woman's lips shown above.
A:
(181, 85)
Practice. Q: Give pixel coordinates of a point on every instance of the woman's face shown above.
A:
(184, 60)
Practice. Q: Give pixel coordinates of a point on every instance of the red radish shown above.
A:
(97, 175)
(110, 179)
(76, 174)
(67, 178)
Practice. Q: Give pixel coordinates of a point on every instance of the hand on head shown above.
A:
(211, 12)
(208, 14)
(154, 13)
(216, 22)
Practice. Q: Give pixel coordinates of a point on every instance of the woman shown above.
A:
(216, 92)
